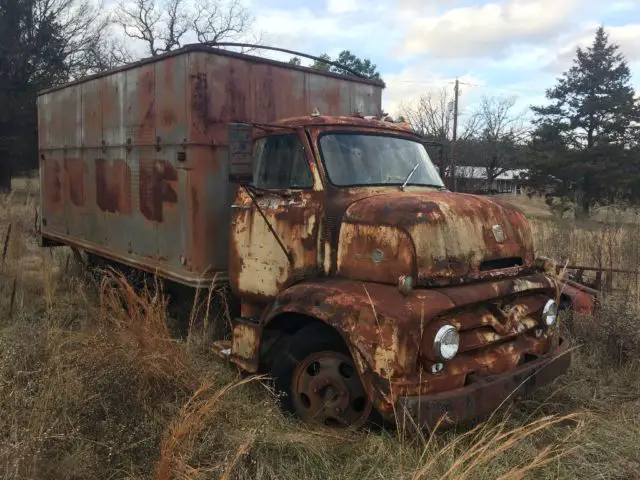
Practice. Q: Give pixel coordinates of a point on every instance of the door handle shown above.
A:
(241, 207)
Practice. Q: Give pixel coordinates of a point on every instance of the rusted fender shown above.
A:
(382, 328)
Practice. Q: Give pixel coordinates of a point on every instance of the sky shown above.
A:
(512, 48)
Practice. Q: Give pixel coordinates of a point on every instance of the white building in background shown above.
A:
(474, 180)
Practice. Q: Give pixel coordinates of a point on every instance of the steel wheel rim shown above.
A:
(326, 389)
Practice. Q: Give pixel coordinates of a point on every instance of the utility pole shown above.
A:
(456, 94)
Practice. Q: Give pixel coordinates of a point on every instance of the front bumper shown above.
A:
(486, 394)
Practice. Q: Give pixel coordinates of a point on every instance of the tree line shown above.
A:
(583, 145)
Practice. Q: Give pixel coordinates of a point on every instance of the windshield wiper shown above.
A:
(406, 180)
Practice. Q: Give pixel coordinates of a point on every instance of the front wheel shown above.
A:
(319, 380)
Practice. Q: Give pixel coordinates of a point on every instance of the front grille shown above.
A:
(494, 321)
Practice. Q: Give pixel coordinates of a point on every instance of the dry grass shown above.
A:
(92, 385)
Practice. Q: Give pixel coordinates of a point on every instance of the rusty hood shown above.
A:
(454, 236)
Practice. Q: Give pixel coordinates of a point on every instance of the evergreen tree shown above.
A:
(362, 66)
(43, 43)
(583, 144)
(31, 58)
(320, 65)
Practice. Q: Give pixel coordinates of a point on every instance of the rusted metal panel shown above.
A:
(92, 115)
(51, 191)
(220, 92)
(329, 97)
(217, 52)
(55, 125)
(114, 95)
(391, 335)
(171, 103)
(44, 119)
(67, 127)
(365, 100)
(258, 266)
(135, 161)
(434, 223)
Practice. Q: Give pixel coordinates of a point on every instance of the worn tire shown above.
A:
(302, 347)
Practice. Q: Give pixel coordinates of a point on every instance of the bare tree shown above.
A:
(216, 22)
(432, 116)
(502, 133)
(163, 25)
(110, 52)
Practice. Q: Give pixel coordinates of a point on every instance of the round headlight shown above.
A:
(550, 313)
(446, 343)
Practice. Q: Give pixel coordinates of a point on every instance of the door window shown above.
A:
(281, 163)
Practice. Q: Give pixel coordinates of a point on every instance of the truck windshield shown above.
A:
(364, 159)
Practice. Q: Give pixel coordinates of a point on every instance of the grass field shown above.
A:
(92, 386)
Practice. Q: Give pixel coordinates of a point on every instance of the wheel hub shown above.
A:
(327, 389)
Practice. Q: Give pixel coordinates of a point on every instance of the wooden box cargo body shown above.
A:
(134, 162)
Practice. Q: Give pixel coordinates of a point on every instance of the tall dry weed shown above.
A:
(195, 416)
(140, 321)
(477, 453)
(92, 385)
(609, 245)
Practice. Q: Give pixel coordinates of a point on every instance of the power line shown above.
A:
(475, 85)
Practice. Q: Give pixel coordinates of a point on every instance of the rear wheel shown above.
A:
(319, 380)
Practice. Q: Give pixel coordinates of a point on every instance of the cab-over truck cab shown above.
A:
(367, 287)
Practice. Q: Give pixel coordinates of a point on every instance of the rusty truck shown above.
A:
(357, 281)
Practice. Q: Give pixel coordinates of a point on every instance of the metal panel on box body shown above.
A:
(171, 100)
(171, 136)
(206, 184)
(279, 93)
(111, 172)
(51, 192)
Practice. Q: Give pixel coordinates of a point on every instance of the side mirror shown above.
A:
(240, 153)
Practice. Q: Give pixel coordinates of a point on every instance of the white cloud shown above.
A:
(302, 29)
(628, 37)
(561, 55)
(342, 6)
(489, 29)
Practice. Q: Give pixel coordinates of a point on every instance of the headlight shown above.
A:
(446, 343)
(550, 313)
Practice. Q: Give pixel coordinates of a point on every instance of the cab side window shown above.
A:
(281, 163)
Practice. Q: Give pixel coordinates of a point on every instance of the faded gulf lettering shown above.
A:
(113, 185)
(157, 187)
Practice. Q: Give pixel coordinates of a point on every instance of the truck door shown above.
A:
(274, 232)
